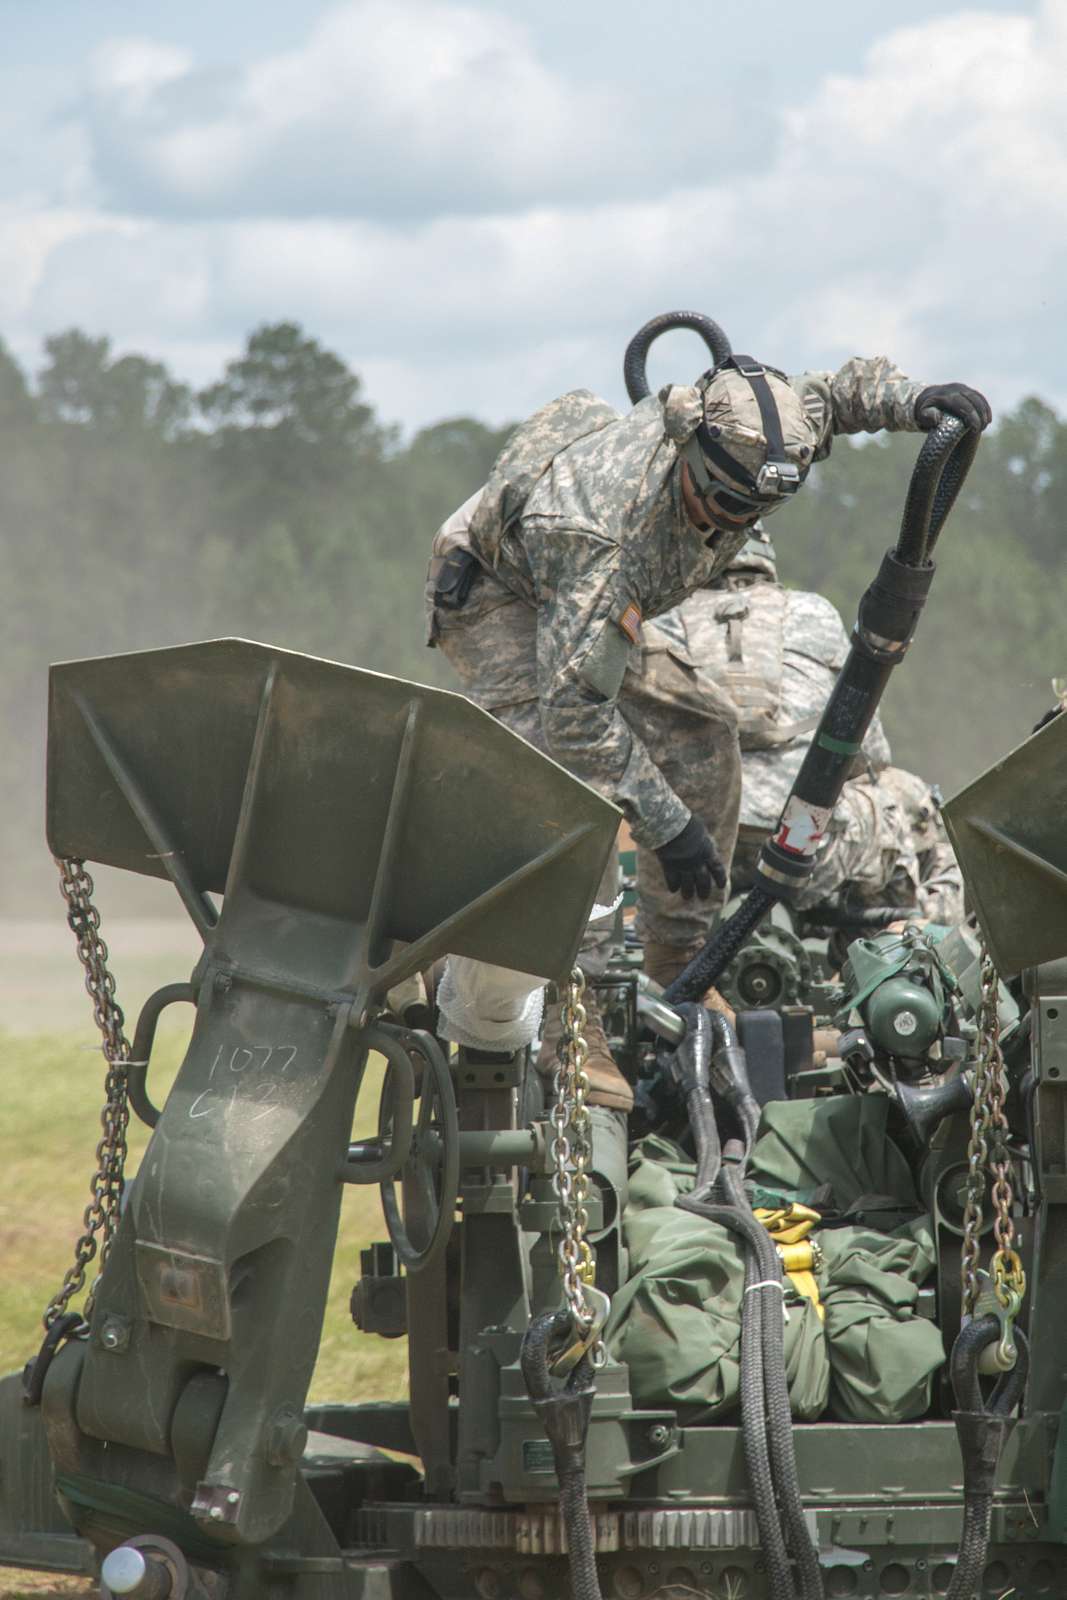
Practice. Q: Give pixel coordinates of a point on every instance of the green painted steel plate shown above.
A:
(1009, 831)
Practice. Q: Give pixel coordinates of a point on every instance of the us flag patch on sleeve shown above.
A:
(630, 621)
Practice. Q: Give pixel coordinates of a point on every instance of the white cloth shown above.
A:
(489, 1008)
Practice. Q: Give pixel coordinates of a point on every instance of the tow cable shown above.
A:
(562, 1350)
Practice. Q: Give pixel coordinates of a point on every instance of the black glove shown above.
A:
(955, 399)
(690, 863)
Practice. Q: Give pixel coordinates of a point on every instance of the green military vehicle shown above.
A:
(795, 1336)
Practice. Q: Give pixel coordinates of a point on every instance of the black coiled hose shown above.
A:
(888, 615)
(635, 361)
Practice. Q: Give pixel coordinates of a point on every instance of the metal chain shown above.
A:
(572, 1154)
(987, 1152)
(101, 1216)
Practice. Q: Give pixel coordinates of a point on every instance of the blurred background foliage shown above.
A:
(275, 504)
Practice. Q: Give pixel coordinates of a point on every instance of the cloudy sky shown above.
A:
(477, 203)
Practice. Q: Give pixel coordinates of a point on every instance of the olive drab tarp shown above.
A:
(677, 1320)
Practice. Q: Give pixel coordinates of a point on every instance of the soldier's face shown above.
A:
(707, 516)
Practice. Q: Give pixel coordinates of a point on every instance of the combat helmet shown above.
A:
(745, 436)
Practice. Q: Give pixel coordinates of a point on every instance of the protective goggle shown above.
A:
(733, 489)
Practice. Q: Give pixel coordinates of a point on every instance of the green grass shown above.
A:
(48, 1132)
(53, 1092)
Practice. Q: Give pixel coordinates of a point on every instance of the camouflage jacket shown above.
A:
(582, 519)
(777, 653)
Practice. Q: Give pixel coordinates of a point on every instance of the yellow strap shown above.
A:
(788, 1224)
(797, 1257)
(805, 1285)
(789, 1227)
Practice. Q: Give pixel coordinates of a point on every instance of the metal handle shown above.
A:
(144, 1039)
(378, 1160)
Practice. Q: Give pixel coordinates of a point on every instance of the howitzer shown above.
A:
(357, 828)
(189, 1387)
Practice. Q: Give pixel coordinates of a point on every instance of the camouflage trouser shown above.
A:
(687, 726)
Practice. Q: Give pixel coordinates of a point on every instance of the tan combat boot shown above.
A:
(665, 962)
(607, 1086)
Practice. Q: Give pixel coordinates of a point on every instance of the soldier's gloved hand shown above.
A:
(690, 863)
(955, 399)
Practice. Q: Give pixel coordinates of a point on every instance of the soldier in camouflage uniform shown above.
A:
(777, 653)
(935, 883)
(590, 524)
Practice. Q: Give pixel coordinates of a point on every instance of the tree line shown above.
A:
(276, 504)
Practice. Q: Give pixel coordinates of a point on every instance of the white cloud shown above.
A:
(132, 70)
(915, 207)
(391, 107)
(30, 240)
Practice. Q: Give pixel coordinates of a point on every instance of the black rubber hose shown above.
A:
(846, 916)
(729, 1080)
(776, 1388)
(710, 963)
(688, 1065)
(753, 1404)
(754, 1441)
(937, 477)
(722, 1033)
(706, 1134)
(635, 361)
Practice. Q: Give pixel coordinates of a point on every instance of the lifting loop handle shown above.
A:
(635, 361)
(143, 1041)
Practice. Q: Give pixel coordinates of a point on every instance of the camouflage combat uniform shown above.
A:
(581, 534)
(777, 652)
(938, 893)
